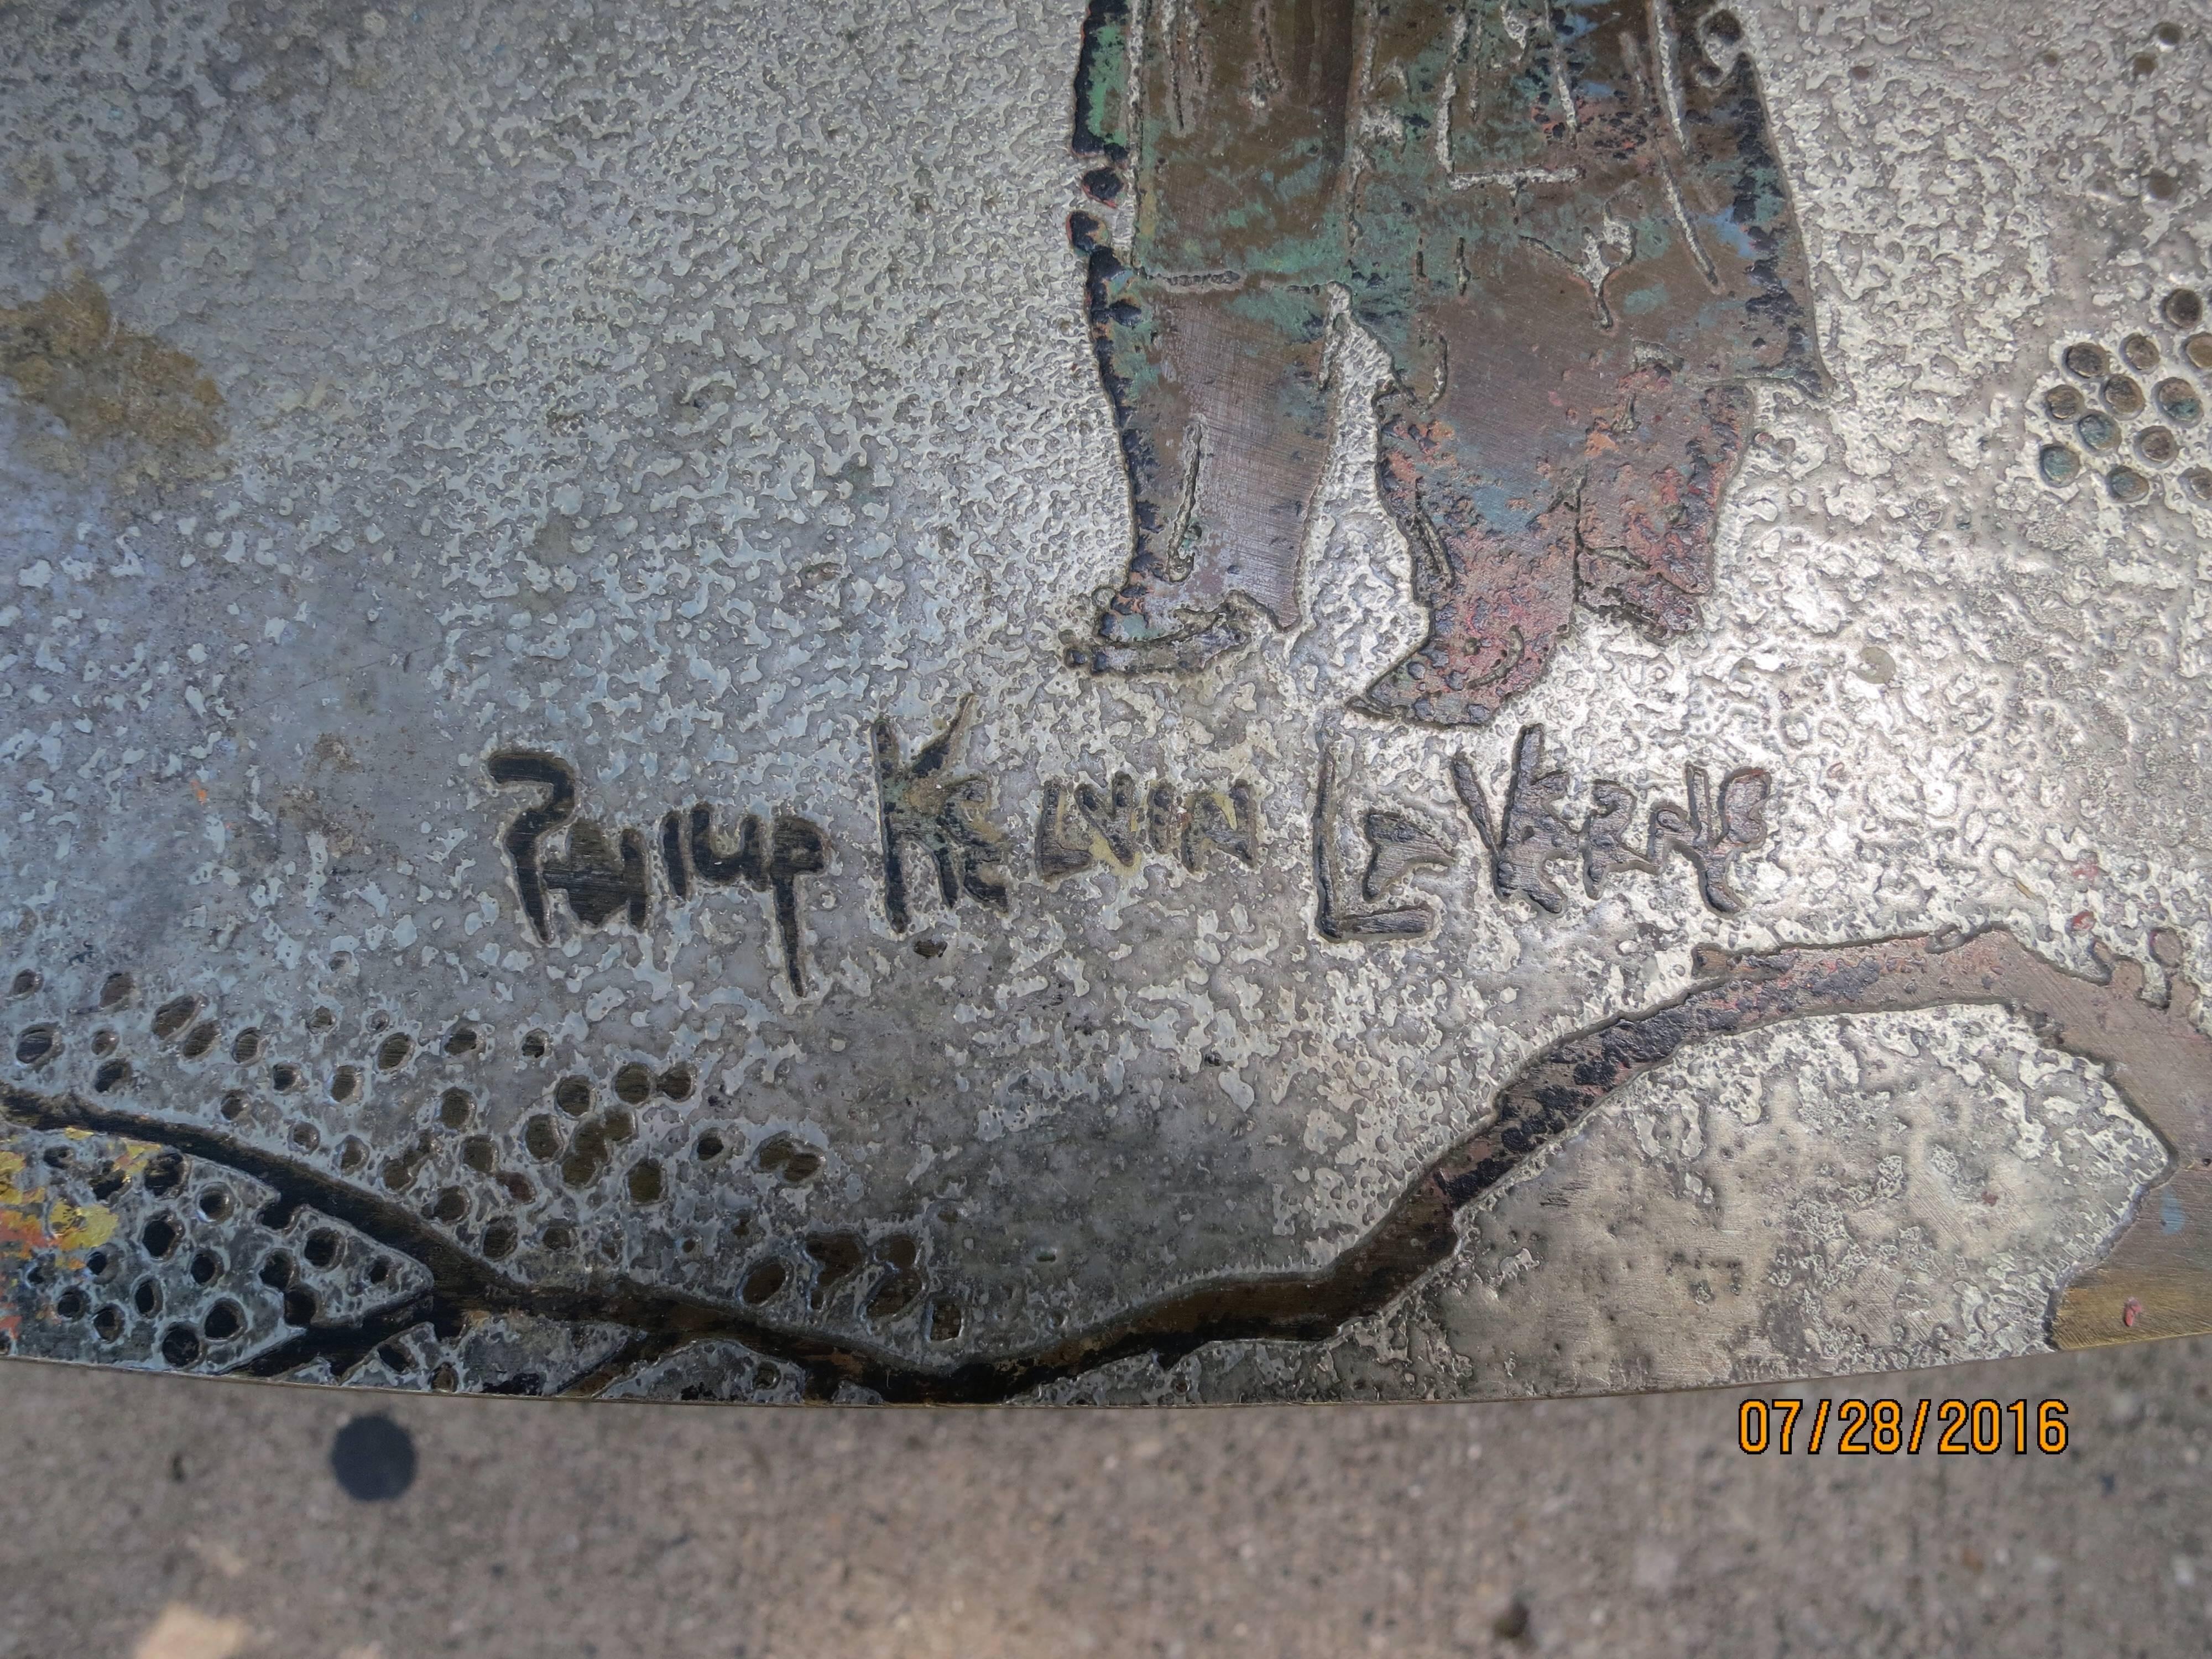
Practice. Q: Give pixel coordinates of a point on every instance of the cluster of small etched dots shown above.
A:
(455, 1112)
(578, 1136)
(580, 1139)
(38, 1044)
(2163, 39)
(583, 1147)
(177, 1270)
(2136, 414)
(101, 1270)
(180, 1024)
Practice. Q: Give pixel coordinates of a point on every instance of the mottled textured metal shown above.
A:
(1210, 699)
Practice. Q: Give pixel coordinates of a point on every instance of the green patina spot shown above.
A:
(1106, 87)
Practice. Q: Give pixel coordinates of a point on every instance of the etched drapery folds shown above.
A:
(1567, 225)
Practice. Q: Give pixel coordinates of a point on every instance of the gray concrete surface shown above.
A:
(155, 1518)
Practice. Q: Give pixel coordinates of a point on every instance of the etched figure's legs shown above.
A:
(1567, 225)
(1651, 495)
(1229, 128)
(1496, 572)
(1478, 460)
(1224, 430)
(1509, 534)
(1574, 240)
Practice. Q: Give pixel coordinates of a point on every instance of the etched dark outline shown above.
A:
(2158, 1061)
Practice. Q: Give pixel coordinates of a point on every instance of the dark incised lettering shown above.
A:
(1229, 821)
(770, 862)
(603, 876)
(601, 879)
(514, 767)
(1712, 836)
(1397, 843)
(1528, 836)
(1606, 848)
(921, 805)
(671, 855)
(1164, 820)
(1076, 827)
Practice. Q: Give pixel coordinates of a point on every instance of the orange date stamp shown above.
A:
(1883, 1428)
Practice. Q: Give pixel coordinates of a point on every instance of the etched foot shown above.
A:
(1498, 580)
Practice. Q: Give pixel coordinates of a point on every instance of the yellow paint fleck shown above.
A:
(32, 1220)
(80, 1227)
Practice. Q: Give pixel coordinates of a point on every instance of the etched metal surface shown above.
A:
(1214, 699)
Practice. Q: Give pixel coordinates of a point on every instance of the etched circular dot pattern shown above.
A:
(174, 1016)
(2178, 401)
(2174, 404)
(593, 1116)
(187, 1276)
(2088, 362)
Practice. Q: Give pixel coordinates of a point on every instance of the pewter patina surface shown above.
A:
(694, 711)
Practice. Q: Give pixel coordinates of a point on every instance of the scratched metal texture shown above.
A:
(699, 403)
